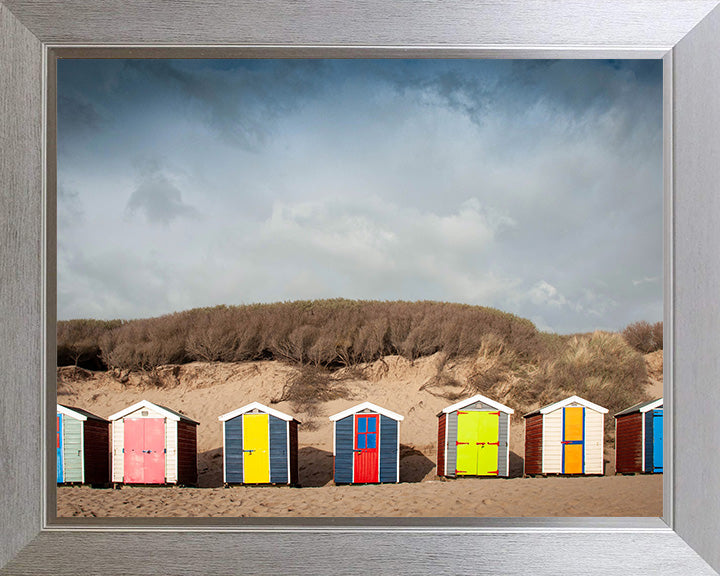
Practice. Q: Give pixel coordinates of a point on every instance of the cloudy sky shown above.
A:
(531, 186)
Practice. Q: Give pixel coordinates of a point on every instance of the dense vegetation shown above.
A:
(330, 333)
(510, 360)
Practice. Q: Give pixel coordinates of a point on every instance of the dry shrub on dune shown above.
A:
(330, 333)
(601, 367)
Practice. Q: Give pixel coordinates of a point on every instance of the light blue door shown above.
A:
(59, 449)
(657, 440)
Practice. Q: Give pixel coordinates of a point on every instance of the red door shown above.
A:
(144, 451)
(366, 448)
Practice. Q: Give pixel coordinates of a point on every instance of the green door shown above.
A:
(478, 443)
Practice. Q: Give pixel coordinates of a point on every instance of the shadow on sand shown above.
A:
(315, 466)
(414, 465)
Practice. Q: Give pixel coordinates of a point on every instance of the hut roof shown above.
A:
(567, 402)
(642, 407)
(258, 406)
(477, 398)
(171, 414)
(366, 406)
(78, 413)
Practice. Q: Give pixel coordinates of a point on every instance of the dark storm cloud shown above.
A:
(157, 197)
(532, 186)
(77, 113)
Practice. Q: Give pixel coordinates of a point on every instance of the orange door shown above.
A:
(573, 440)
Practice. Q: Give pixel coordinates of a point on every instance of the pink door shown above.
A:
(144, 451)
(154, 451)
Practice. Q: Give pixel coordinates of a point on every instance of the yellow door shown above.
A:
(488, 443)
(256, 449)
(573, 440)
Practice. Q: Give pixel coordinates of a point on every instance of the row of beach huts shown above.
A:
(149, 444)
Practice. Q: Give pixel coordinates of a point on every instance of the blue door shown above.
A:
(657, 440)
(59, 449)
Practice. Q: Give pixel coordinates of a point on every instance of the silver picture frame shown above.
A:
(684, 33)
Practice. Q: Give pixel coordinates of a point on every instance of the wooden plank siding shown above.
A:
(117, 430)
(233, 456)
(504, 441)
(451, 456)
(628, 444)
(441, 445)
(594, 442)
(72, 450)
(533, 444)
(343, 473)
(293, 430)
(96, 448)
(552, 442)
(171, 451)
(389, 449)
(187, 473)
(278, 430)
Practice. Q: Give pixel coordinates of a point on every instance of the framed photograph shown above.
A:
(681, 34)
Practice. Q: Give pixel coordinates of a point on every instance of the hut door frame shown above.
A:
(657, 463)
(571, 442)
(366, 448)
(60, 471)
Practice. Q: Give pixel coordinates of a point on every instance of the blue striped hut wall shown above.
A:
(388, 439)
(343, 460)
(282, 445)
(648, 464)
(279, 454)
(389, 450)
(233, 450)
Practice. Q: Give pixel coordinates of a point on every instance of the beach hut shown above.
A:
(152, 444)
(639, 439)
(83, 446)
(566, 437)
(260, 446)
(474, 438)
(366, 445)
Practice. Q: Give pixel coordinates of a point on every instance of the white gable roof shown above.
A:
(366, 406)
(478, 398)
(573, 400)
(567, 402)
(652, 405)
(69, 412)
(171, 414)
(642, 407)
(78, 413)
(253, 406)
